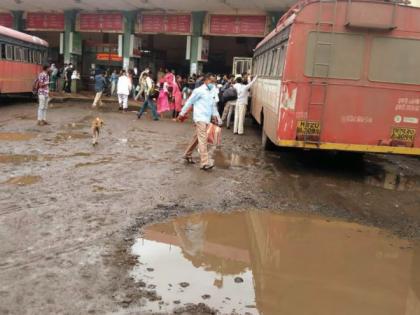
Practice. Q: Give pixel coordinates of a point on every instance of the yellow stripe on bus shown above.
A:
(350, 147)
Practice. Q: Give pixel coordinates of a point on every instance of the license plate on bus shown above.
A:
(308, 127)
(403, 134)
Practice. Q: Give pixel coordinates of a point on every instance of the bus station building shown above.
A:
(189, 36)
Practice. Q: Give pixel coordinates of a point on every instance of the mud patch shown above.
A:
(16, 136)
(99, 162)
(63, 136)
(280, 260)
(21, 158)
(394, 181)
(23, 180)
(76, 125)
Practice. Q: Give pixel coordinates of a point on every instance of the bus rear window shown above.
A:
(341, 60)
(395, 60)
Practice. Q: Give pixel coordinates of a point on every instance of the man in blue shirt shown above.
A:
(205, 110)
(100, 83)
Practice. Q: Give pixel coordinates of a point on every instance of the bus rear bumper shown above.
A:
(349, 147)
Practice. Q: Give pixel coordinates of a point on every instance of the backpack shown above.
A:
(35, 86)
(230, 94)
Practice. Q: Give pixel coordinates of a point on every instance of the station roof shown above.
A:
(128, 5)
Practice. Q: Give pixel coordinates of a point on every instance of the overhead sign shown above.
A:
(108, 57)
(236, 25)
(154, 23)
(100, 22)
(6, 19)
(41, 21)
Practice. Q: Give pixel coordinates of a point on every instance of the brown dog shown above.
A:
(97, 124)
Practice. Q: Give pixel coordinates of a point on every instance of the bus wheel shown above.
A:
(266, 143)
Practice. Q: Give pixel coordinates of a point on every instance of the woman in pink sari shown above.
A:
(163, 99)
(174, 93)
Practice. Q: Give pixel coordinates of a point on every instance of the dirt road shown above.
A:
(70, 212)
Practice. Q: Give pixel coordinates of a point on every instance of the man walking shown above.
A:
(148, 89)
(205, 110)
(100, 84)
(43, 95)
(241, 104)
(124, 87)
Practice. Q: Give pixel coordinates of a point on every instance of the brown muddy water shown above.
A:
(23, 180)
(16, 136)
(258, 262)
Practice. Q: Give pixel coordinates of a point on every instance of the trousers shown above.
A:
(228, 111)
(123, 100)
(97, 99)
(199, 139)
(42, 107)
(240, 111)
(149, 103)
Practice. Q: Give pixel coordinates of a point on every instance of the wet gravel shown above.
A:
(65, 237)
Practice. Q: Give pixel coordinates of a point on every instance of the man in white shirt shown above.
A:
(241, 104)
(123, 90)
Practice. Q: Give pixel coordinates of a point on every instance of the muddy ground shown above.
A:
(69, 212)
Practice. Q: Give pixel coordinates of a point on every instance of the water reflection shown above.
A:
(227, 160)
(288, 264)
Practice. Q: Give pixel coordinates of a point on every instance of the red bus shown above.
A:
(21, 59)
(341, 75)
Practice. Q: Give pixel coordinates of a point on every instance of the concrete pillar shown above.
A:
(69, 23)
(129, 20)
(17, 20)
(198, 23)
(274, 17)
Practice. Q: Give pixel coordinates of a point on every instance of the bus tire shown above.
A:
(266, 143)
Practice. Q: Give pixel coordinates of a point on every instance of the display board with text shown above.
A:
(6, 19)
(100, 22)
(41, 21)
(164, 24)
(236, 25)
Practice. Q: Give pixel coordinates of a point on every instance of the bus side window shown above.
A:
(2, 51)
(35, 56)
(9, 52)
(268, 63)
(281, 59)
(274, 62)
(25, 54)
(16, 56)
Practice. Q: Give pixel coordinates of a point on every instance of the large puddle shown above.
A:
(266, 263)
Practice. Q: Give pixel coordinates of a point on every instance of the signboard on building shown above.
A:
(100, 22)
(75, 46)
(108, 57)
(6, 19)
(155, 23)
(236, 25)
(43, 21)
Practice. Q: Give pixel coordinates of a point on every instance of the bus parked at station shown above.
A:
(341, 75)
(21, 59)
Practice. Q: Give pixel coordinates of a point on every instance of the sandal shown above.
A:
(189, 159)
(207, 167)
